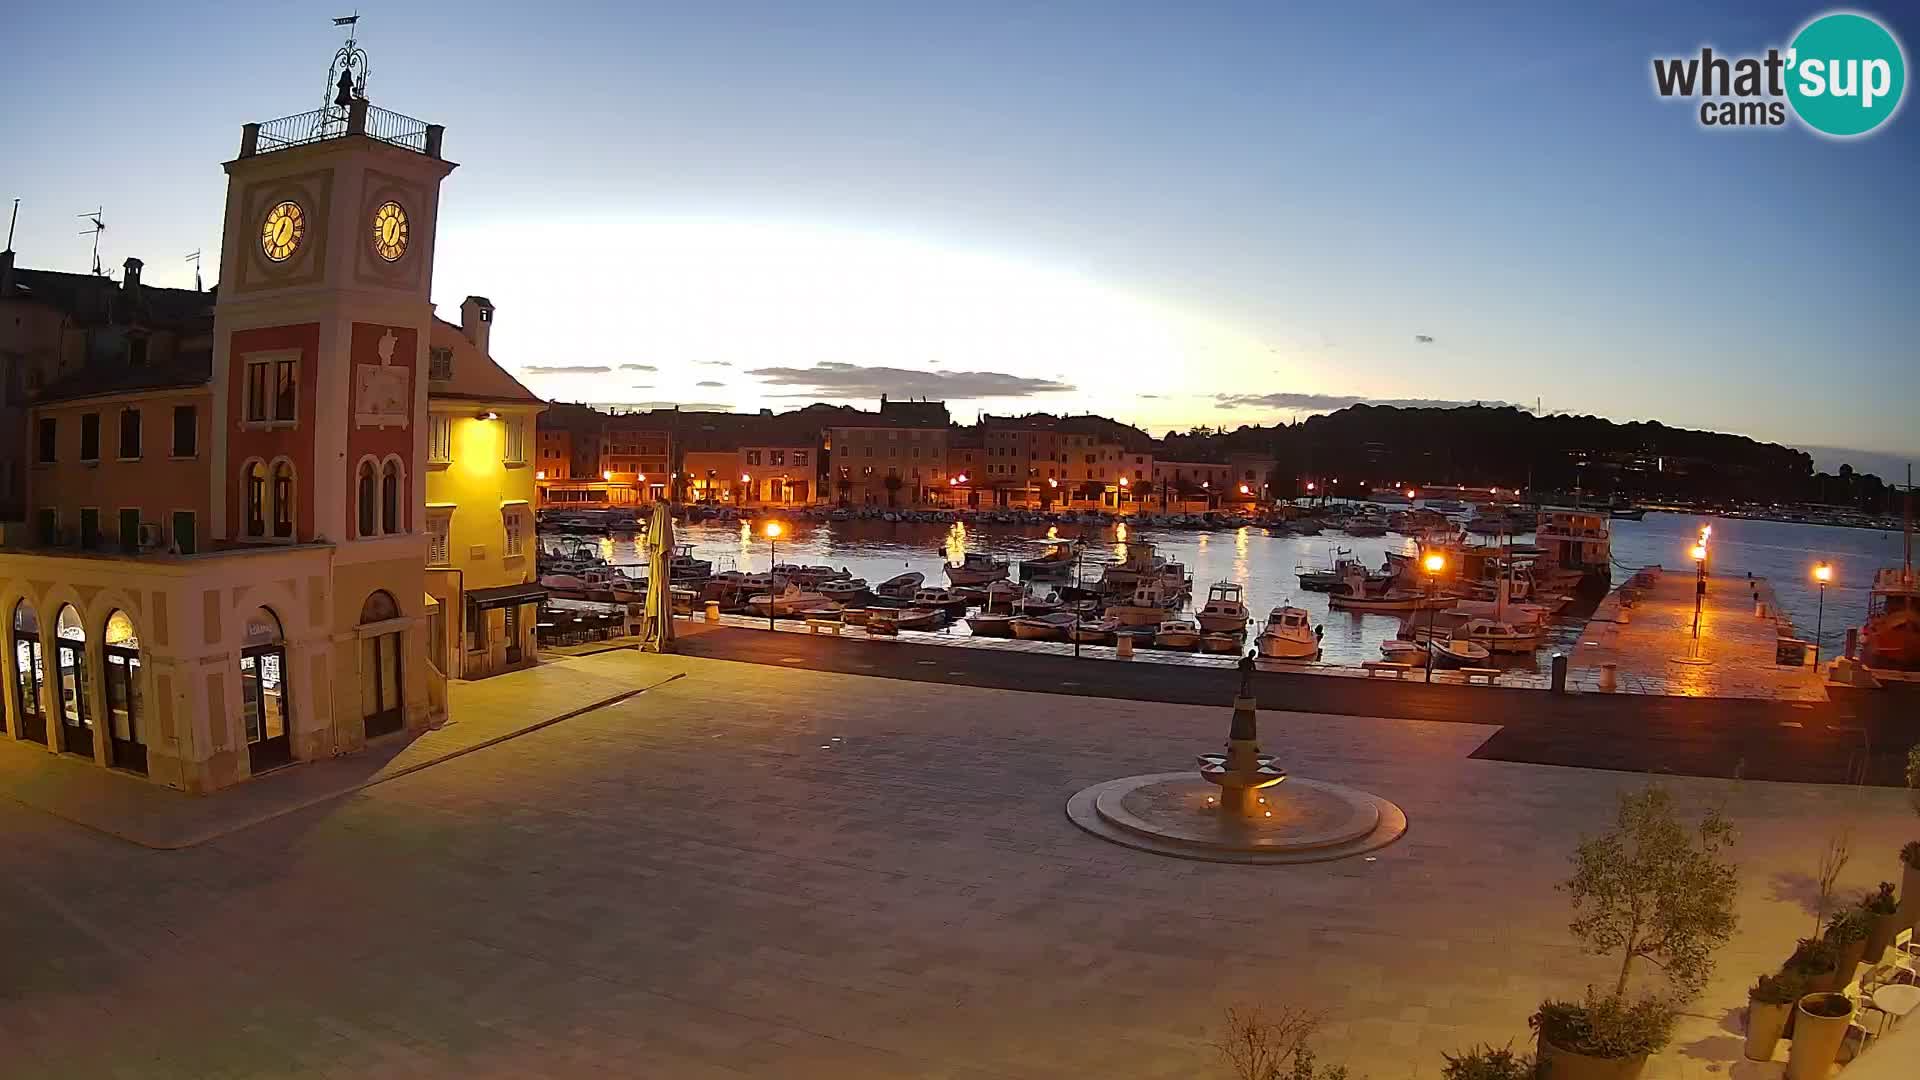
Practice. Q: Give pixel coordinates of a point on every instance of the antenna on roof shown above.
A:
(99, 226)
(11, 222)
(194, 258)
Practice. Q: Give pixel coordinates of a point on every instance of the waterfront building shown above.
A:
(1187, 485)
(226, 569)
(893, 458)
(479, 510)
(778, 475)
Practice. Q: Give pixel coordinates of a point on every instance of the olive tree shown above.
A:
(1653, 888)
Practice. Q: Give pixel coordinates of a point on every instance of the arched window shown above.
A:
(29, 673)
(381, 705)
(390, 498)
(256, 495)
(127, 739)
(283, 499)
(70, 665)
(369, 500)
(264, 707)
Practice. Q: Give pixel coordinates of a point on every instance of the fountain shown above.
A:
(1241, 807)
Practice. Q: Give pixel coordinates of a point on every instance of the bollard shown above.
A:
(1559, 673)
(713, 611)
(1123, 646)
(1609, 677)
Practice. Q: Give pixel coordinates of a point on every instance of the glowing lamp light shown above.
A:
(486, 415)
(1410, 493)
(1309, 485)
(1699, 552)
(1244, 490)
(772, 530)
(745, 479)
(1435, 562)
(643, 478)
(1823, 573)
(1123, 481)
(606, 474)
(1052, 483)
(1206, 483)
(539, 474)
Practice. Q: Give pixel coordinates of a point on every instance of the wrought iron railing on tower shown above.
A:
(334, 123)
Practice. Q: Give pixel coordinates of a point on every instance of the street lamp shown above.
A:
(1433, 564)
(773, 533)
(1822, 573)
(1699, 554)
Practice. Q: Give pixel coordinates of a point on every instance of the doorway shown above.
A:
(127, 743)
(70, 664)
(381, 699)
(30, 674)
(263, 693)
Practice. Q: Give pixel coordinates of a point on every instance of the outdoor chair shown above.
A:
(1862, 1004)
(1898, 962)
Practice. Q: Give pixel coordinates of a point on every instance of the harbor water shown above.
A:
(1266, 564)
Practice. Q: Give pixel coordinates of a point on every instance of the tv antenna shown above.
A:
(99, 226)
(11, 222)
(194, 258)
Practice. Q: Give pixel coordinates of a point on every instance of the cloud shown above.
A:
(566, 369)
(643, 386)
(715, 363)
(709, 382)
(829, 379)
(1330, 402)
(1423, 339)
(638, 367)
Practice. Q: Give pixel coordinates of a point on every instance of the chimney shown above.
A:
(476, 321)
(6, 272)
(131, 280)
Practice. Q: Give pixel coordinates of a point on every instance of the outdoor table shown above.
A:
(1896, 1000)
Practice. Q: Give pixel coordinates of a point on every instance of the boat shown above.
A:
(912, 618)
(1177, 634)
(1406, 652)
(976, 569)
(1055, 563)
(1094, 631)
(1490, 524)
(788, 601)
(1458, 652)
(843, 590)
(683, 565)
(1221, 642)
(1349, 596)
(1361, 526)
(900, 587)
(989, 624)
(1148, 606)
(1224, 610)
(1002, 595)
(1051, 627)
(1891, 637)
(1141, 564)
(1497, 635)
(1575, 544)
(1445, 506)
(1287, 636)
(1627, 513)
(807, 575)
(855, 616)
(939, 599)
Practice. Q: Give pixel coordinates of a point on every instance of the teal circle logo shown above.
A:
(1846, 74)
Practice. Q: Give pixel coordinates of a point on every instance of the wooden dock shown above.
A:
(1645, 629)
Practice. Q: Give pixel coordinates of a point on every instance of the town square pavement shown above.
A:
(765, 871)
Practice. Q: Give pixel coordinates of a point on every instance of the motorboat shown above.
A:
(1458, 652)
(1362, 526)
(1177, 634)
(1141, 564)
(1051, 627)
(1055, 563)
(900, 587)
(1347, 598)
(1891, 636)
(1287, 635)
(989, 624)
(1219, 641)
(1039, 605)
(912, 618)
(976, 569)
(855, 616)
(939, 599)
(788, 601)
(1224, 610)
(807, 575)
(843, 590)
(1148, 606)
(1094, 631)
(1402, 651)
(683, 565)
(1445, 506)
(1497, 635)
(1002, 595)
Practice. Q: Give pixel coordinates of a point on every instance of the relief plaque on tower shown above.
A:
(382, 395)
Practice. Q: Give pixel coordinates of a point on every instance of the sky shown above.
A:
(1207, 213)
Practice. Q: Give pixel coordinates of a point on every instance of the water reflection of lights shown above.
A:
(1120, 532)
(1053, 533)
(956, 543)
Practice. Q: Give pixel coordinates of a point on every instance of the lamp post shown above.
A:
(773, 534)
(1822, 573)
(1699, 554)
(1433, 563)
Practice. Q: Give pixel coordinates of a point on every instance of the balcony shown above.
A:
(322, 125)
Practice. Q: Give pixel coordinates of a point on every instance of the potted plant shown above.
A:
(1601, 1038)
(1818, 963)
(1819, 1027)
(1769, 1004)
(1882, 912)
(1847, 931)
(1486, 1063)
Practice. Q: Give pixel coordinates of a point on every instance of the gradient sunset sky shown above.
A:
(1169, 213)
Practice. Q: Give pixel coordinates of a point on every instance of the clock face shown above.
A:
(281, 233)
(390, 231)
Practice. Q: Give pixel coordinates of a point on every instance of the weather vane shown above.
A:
(347, 75)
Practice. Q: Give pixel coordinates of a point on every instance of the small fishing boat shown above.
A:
(854, 616)
(1039, 605)
(1496, 634)
(1177, 634)
(976, 569)
(989, 624)
(1287, 635)
(1224, 610)
(806, 575)
(1094, 631)
(1002, 595)
(1344, 598)
(900, 587)
(1148, 606)
(1052, 627)
(913, 618)
(1456, 652)
(843, 590)
(939, 599)
(1055, 563)
(683, 565)
(1221, 642)
(788, 601)
(1406, 652)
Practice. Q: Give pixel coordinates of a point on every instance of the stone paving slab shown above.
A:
(132, 809)
(765, 871)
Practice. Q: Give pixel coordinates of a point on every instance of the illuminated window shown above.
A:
(516, 440)
(516, 543)
(440, 439)
(439, 527)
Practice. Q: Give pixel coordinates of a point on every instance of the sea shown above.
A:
(1266, 565)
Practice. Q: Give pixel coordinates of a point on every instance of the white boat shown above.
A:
(788, 601)
(1224, 610)
(988, 624)
(976, 569)
(1004, 595)
(1140, 565)
(843, 590)
(1148, 606)
(1458, 652)
(891, 619)
(1345, 598)
(1052, 627)
(939, 599)
(900, 587)
(1497, 635)
(1287, 635)
(683, 565)
(803, 574)
(1406, 652)
(1446, 506)
(1094, 631)
(1055, 563)
(1177, 634)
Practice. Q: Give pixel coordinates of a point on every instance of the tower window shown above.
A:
(256, 498)
(272, 391)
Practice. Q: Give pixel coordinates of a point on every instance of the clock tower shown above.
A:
(319, 381)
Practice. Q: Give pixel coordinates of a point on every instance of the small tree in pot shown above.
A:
(1847, 932)
(1601, 1038)
(1486, 1063)
(1769, 1004)
(1818, 963)
(1882, 913)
